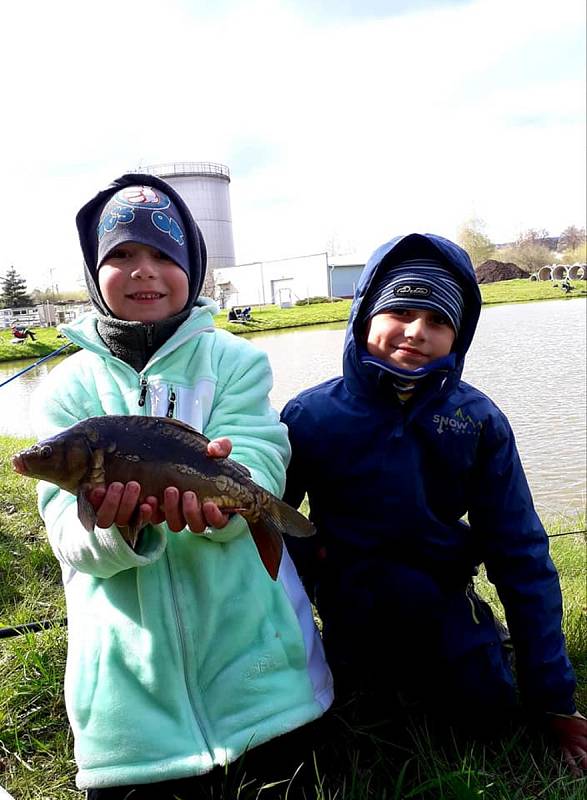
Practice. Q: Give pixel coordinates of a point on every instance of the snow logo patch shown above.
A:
(459, 423)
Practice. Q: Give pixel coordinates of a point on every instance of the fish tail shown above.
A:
(269, 543)
(276, 519)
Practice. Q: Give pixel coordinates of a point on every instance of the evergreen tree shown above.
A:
(13, 293)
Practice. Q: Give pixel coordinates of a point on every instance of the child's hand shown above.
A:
(186, 510)
(116, 504)
(571, 735)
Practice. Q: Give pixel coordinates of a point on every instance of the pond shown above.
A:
(529, 358)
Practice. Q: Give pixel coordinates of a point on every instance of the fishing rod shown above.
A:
(35, 627)
(36, 364)
(32, 627)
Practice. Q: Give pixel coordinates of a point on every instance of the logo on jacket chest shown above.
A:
(458, 423)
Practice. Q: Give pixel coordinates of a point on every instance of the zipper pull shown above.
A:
(171, 406)
(143, 393)
(149, 335)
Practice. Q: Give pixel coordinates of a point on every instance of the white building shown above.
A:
(44, 315)
(285, 281)
(281, 282)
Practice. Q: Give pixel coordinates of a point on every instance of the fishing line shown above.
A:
(568, 533)
(36, 364)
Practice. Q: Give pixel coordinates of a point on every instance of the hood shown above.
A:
(87, 223)
(360, 377)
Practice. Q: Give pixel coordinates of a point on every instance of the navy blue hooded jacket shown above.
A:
(392, 481)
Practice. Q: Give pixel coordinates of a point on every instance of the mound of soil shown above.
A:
(491, 271)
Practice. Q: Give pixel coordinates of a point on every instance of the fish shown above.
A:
(158, 452)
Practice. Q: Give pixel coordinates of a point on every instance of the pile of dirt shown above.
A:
(491, 271)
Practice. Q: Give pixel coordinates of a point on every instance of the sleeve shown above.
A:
(241, 411)
(514, 547)
(103, 552)
(305, 553)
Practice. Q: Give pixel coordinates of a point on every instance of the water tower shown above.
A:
(203, 186)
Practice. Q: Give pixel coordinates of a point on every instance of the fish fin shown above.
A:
(130, 532)
(269, 543)
(238, 467)
(85, 510)
(130, 535)
(180, 425)
(290, 521)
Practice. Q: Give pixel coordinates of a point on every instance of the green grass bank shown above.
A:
(36, 748)
(271, 318)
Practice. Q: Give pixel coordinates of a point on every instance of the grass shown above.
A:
(270, 318)
(523, 291)
(36, 748)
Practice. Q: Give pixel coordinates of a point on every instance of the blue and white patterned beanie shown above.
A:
(146, 215)
(417, 283)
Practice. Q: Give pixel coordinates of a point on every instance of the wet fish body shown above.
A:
(158, 452)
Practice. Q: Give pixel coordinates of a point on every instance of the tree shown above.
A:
(531, 250)
(571, 238)
(39, 296)
(13, 291)
(575, 255)
(532, 236)
(472, 238)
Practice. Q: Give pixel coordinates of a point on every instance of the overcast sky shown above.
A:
(343, 123)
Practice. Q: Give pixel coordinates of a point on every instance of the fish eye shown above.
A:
(46, 451)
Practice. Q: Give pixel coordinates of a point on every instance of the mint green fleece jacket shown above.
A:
(184, 652)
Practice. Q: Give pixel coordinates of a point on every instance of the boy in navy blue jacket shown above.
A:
(392, 456)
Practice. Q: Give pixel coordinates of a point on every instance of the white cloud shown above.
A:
(352, 127)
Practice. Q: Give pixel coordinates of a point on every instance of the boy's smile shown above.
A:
(409, 338)
(142, 284)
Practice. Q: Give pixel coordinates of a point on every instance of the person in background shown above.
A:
(414, 480)
(188, 666)
(22, 333)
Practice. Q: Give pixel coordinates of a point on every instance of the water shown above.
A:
(529, 358)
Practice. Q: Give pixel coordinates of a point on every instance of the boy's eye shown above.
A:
(399, 312)
(118, 252)
(440, 319)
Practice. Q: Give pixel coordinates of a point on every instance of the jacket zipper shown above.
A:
(192, 701)
(171, 402)
(143, 394)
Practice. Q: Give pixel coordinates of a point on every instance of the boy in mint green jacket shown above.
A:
(183, 652)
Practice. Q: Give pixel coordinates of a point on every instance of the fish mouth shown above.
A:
(19, 464)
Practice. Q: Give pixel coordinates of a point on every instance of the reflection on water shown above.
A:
(529, 358)
(15, 396)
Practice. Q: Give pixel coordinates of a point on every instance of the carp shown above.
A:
(158, 452)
